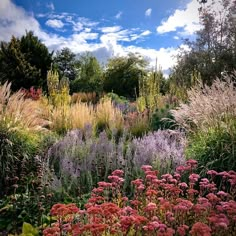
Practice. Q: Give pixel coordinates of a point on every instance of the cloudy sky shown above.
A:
(105, 27)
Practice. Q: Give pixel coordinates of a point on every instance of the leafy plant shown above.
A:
(165, 206)
(214, 148)
(29, 230)
(162, 119)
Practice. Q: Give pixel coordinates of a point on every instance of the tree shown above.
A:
(123, 74)
(214, 50)
(89, 78)
(24, 62)
(65, 63)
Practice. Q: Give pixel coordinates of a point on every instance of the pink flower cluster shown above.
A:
(162, 207)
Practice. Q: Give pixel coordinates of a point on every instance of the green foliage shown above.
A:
(162, 119)
(89, 77)
(123, 74)
(24, 62)
(16, 148)
(58, 89)
(138, 123)
(65, 63)
(29, 230)
(214, 50)
(116, 99)
(214, 148)
(149, 90)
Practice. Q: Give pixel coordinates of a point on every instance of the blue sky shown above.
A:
(105, 27)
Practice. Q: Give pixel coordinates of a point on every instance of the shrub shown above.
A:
(81, 159)
(108, 117)
(164, 149)
(162, 119)
(17, 149)
(137, 123)
(29, 197)
(16, 112)
(209, 117)
(165, 206)
(208, 106)
(214, 148)
(65, 118)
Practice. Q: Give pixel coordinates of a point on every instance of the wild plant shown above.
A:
(209, 119)
(16, 112)
(164, 206)
(107, 117)
(164, 149)
(208, 106)
(80, 159)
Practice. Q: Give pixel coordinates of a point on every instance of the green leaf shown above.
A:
(29, 230)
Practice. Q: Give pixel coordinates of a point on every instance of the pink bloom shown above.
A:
(104, 184)
(212, 198)
(212, 172)
(150, 207)
(180, 169)
(118, 173)
(182, 230)
(183, 185)
(146, 168)
(200, 229)
(222, 194)
(219, 221)
(192, 163)
(194, 178)
(137, 182)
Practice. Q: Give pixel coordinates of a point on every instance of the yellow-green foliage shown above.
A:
(180, 90)
(107, 116)
(78, 115)
(149, 90)
(16, 112)
(58, 89)
(81, 114)
(65, 115)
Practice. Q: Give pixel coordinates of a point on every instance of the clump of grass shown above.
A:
(107, 116)
(16, 112)
(208, 106)
(65, 118)
(84, 97)
(81, 114)
(210, 120)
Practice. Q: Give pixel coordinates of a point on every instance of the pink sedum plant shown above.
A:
(163, 207)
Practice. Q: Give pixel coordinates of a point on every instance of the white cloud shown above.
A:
(80, 23)
(118, 15)
(50, 6)
(188, 19)
(78, 26)
(15, 20)
(148, 12)
(146, 32)
(54, 23)
(111, 29)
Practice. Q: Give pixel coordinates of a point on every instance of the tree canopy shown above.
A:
(65, 63)
(89, 77)
(214, 50)
(123, 73)
(24, 62)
